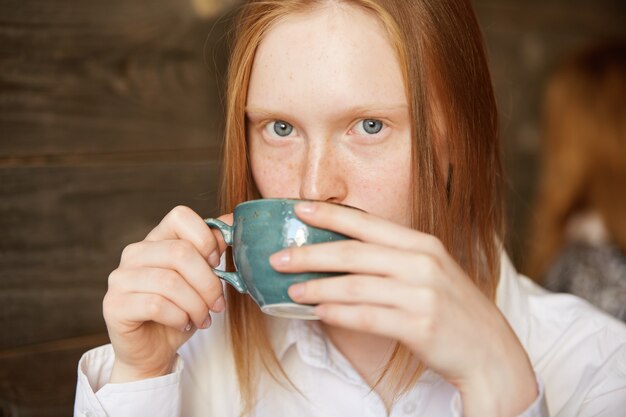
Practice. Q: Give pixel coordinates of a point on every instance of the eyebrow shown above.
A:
(362, 109)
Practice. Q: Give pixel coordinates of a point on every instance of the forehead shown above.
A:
(337, 55)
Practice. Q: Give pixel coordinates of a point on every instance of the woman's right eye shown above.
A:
(279, 128)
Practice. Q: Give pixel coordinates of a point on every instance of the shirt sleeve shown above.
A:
(539, 408)
(95, 397)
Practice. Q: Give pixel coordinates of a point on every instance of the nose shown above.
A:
(324, 174)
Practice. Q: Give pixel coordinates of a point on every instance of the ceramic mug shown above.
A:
(261, 228)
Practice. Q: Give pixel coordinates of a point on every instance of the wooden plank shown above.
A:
(108, 76)
(40, 380)
(64, 228)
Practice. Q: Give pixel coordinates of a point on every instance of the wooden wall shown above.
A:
(110, 116)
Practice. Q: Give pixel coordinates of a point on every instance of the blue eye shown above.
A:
(372, 126)
(282, 128)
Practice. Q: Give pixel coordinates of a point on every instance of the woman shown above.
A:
(579, 237)
(386, 106)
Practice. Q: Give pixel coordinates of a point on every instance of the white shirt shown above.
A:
(578, 354)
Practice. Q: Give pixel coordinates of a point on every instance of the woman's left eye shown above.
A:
(368, 127)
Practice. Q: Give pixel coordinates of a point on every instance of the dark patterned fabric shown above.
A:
(596, 273)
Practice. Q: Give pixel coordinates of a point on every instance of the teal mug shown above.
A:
(261, 228)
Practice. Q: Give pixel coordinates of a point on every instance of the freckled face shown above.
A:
(327, 114)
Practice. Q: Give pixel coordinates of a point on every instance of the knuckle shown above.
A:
(434, 244)
(118, 280)
(347, 249)
(353, 289)
(429, 301)
(168, 280)
(207, 243)
(214, 291)
(429, 326)
(113, 279)
(154, 305)
(180, 212)
(108, 305)
(181, 249)
(367, 320)
(129, 251)
(428, 266)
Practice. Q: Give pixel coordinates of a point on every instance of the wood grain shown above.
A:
(110, 115)
(63, 232)
(108, 76)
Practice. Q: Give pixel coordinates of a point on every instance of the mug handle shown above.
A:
(232, 278)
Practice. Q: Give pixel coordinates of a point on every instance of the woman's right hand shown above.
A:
(162, 291)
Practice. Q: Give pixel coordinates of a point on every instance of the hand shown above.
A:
(161, 292)
(404, 285)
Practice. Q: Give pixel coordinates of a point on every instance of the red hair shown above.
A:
(441, 51)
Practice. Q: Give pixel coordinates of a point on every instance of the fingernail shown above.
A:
(214, 259)
(296, 291)
(187, 327)
(305, 208)
(219, 305)
(280, 258)
(206, 323)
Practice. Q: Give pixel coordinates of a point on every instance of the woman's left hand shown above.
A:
(403, 284)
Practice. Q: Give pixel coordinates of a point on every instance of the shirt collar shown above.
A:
(285, 333)
(307, 337)
(512, 298)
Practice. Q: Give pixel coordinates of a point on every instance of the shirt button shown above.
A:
(408, 408)
(87, 414)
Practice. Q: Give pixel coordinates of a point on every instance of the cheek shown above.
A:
(273, 176)
(387, 187)
(389, 195)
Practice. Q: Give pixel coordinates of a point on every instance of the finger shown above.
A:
(136, 308)
(364, 289)
(181, 256)
(183, 223)
(383, 321)
(368, 227)
(166, 283)
(228, 219)
(352, 256)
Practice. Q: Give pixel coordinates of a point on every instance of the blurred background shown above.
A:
(111, 115)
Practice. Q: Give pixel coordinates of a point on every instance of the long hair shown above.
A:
(584, 150)
(440, 49)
